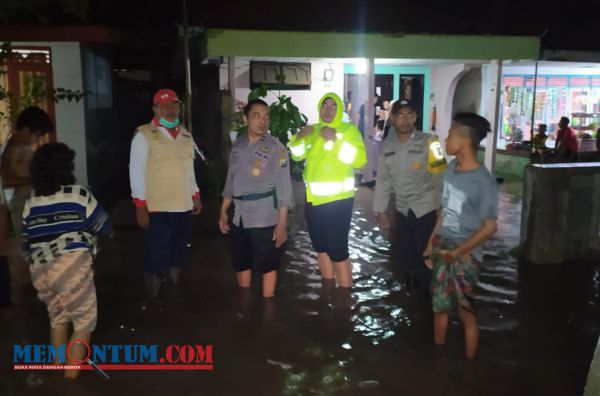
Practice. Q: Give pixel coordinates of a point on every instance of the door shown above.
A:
(412, 91)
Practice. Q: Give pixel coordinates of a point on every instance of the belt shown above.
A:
(257, 196)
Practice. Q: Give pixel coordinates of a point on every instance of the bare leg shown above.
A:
(245, 295)
(327, 288)
(440, 327)
(325, 265)
(78, 351)
(471, 332)
(342, 299)
(152, 284)
(175, 274)
(269, 309)
(244, 278)
(343, 273)
(59, 336)
(269, 283)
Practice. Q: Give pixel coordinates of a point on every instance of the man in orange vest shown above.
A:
(164, 190)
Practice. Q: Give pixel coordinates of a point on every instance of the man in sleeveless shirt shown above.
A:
(164, 190)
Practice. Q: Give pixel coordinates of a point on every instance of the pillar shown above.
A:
(494, 90)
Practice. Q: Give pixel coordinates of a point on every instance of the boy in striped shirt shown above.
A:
(60, 223)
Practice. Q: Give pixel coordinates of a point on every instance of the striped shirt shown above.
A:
(66, 221)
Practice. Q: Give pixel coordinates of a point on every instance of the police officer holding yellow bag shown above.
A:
(410, 166)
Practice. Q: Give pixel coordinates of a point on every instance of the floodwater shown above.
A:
(539, 324)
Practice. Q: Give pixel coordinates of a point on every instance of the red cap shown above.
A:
(165, 96)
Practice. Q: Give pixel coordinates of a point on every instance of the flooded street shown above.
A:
(539, 324)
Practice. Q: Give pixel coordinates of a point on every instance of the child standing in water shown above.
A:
(467, 219)
(60, 221)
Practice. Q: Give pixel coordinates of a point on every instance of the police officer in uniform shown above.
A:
(259, 184)
(410, 167)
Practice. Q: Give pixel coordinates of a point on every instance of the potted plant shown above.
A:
(237, 127)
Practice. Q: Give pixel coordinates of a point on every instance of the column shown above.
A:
(494, 90)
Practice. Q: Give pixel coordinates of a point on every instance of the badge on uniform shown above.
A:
(265, 149)
(255, 172)
(283, 162)
(416, 165)
(261, 155)
(436, 161)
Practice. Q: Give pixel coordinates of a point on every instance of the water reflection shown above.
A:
(538, 323)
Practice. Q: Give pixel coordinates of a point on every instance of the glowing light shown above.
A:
(361, 66)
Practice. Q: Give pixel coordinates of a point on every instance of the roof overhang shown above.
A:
(229, 42)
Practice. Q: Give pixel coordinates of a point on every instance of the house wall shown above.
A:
(467, 96)
(70, 119)
(306, 100)
(396, 71)
(444, 80)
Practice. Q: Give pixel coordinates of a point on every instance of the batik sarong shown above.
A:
(452, 283)
(66, 286)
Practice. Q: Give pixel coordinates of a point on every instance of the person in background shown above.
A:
(373, 145)
(566, 140)
(333, 149)
(361, 116)
(538, 143)
(31, 129)
(60, 222)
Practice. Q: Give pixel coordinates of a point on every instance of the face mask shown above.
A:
(168, 124)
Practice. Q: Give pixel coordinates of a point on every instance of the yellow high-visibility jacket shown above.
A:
(329, 170)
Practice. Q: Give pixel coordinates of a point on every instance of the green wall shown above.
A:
(509, 166)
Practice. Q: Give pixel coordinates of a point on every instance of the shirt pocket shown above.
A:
(257, 165)
(390, 163)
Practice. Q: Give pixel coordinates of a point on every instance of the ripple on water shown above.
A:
(380, 322)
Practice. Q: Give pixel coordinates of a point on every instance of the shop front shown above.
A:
(558, 90)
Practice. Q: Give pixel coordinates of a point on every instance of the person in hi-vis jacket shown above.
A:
(333, 149)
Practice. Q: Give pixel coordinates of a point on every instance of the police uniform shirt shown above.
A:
(403, 169)
(258, 168)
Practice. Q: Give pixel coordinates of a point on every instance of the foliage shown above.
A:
(257, 93)
(33, 93)
(285, 116)
(237, 117)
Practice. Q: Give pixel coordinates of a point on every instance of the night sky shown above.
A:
(567, 25)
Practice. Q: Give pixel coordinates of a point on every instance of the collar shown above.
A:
(413, 135)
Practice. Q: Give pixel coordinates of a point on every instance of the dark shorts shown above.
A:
(329, 226)
(254, 246)
(167, 241)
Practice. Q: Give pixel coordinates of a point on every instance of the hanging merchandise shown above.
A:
(510, 96)
(554, 102)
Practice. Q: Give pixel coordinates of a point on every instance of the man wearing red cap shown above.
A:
(164, 190)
